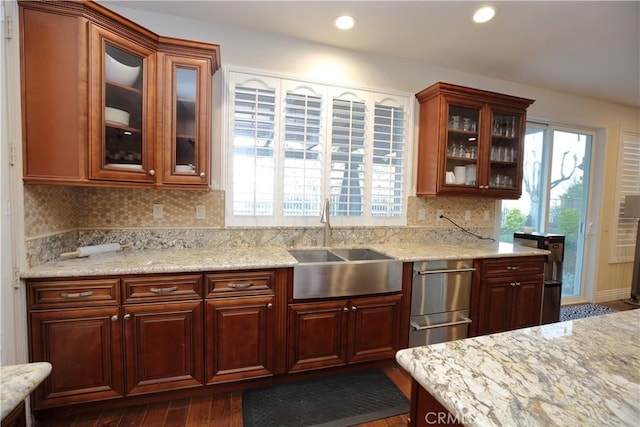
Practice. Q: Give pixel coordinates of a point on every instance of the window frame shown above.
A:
(284, 83)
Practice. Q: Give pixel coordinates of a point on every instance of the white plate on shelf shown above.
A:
(115, 115)
(124, 166)
(184, 168)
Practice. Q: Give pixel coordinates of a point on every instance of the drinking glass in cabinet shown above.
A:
(455, 122)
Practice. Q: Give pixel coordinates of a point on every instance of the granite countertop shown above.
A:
(154, 261)
(583, 372)
(18, 381)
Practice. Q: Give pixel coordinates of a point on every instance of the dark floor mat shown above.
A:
(341, 400)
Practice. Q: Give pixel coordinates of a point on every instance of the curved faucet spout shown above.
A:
(324, 218)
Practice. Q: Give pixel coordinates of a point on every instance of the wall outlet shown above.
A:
(157, 211)
(200, 212)
(485, 215)
(467, 215)
(422, 214)
(438, 213)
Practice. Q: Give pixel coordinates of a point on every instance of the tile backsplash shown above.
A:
(59, 219)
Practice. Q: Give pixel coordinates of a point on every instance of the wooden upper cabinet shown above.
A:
(184, 112)
(470, 142)
(118, 105)
(122, 82)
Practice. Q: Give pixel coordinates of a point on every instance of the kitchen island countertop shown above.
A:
(584, 372)
(18, 381)
(155, 261)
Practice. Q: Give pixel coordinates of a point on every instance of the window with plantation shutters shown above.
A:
(388, 161)
(628, 183)
(253, 152)
(293, 144)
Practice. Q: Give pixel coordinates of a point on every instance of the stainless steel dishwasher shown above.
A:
(440, 294)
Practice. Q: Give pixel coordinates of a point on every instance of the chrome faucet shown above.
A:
(324, 219)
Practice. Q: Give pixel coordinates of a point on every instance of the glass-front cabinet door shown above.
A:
(186, 129)
(462, 147)
(505, 150)
(121, 108)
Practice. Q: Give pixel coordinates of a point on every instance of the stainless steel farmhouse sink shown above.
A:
(330, 273)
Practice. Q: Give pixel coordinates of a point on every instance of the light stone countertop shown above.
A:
(18, 381)
(154, 261)
(583, 372)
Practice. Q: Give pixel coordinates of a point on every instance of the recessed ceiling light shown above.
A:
(344, 22)
(484, 14)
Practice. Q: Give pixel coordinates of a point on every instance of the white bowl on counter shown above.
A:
(118, 72)
(115, 115)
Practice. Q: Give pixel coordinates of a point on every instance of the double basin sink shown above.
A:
(331, 273)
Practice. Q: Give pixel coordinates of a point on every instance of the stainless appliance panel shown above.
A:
(439, 327)
(441, 286)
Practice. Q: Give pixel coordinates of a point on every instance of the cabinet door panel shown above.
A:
(527, 303)
(122, 108)
(374, 328)
(163, 346)
(495, 306)
(185, 136)
(317, 335)
(239, 338)
(84, 348)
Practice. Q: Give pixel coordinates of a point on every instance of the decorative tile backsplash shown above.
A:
(59, 219)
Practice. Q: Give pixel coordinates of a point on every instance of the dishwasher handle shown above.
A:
(453, 270)
(462, 321)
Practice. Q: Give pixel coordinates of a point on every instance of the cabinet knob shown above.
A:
(202, 174)
(270, 305)
(512, 284)
(354, 308)
(127, 316)
(345, 309)
(517, 283)
(114, 318)
(152, 172)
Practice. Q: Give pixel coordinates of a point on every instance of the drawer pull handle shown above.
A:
(76, 294)
(513, 267)
(240, 285)
(163, 290)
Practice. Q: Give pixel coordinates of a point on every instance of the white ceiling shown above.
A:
(588, 48)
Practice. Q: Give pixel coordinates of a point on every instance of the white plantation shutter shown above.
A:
(387, 186)
(303, 154)
(253, 140)
(628, 183)
(347, 157)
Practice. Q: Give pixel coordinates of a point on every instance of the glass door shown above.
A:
(462, 146)
(121, 108)
(555, 187)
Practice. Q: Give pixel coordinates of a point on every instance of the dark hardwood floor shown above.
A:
(220, 410)
(223, 409)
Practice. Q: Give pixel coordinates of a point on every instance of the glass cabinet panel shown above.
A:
(123, 109)
(186, 129)
(462, 146)
(503, 155)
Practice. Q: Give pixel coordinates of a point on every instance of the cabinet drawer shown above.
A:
(240, 283)
(73, 293)
(162, 288)
(512, 265)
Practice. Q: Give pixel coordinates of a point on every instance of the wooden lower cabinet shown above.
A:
(335, 333)
(508, 294)
(84, 346)
(163, 346)
(239, 338)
